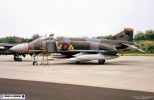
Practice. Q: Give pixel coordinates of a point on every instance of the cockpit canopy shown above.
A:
(43, 39)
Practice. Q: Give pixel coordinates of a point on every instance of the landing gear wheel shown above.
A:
(17, 59)
(101, 61)
(35, 63)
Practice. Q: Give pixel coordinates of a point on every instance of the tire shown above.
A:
(19, 59)
(35, 63)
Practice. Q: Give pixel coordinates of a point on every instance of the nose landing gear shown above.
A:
(17, 58)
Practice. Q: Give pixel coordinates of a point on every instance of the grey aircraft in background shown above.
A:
(80, 49)
(5, 50)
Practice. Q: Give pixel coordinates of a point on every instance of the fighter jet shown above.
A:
(5, 50)
(80, 49)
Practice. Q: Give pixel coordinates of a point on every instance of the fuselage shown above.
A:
(70, 46)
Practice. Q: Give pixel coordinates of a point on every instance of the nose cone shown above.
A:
(20, 48)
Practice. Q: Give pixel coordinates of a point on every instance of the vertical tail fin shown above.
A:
(125, 35)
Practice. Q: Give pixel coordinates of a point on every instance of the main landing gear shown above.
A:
(101, 61)
(35, 61)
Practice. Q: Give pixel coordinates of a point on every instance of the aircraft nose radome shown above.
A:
(20, 48)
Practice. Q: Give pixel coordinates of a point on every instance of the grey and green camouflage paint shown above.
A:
(70, 46)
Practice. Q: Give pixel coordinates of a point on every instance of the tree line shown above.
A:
(142, 36)
(145, 40)
(17, 40)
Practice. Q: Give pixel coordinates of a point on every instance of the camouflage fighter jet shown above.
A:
(80, 49)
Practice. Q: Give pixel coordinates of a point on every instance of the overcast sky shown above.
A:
(74, 17)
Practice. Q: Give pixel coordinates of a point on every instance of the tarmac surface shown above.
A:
(124, 77)
(34, 90)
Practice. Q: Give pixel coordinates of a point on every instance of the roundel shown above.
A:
(65, 46)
